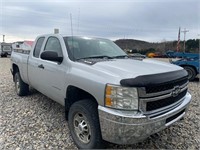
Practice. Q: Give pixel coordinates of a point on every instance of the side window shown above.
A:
(38, 47)
(53, 44)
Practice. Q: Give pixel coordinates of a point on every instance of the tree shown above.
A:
(192, 45)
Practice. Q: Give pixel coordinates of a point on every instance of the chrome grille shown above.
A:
(162, 97)
(166, 86)
(152, 105)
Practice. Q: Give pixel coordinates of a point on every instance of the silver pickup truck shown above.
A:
(107, 95)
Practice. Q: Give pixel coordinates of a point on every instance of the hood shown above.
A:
(130, 68)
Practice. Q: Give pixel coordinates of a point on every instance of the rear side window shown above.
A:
(38, 47)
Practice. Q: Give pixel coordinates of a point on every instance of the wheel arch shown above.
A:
(195, 69)
(74, 94)
(15, 69)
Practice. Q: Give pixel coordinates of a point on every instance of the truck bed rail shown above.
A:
(21, 51)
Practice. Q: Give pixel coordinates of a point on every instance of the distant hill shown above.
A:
(144, 46)
(133, 44)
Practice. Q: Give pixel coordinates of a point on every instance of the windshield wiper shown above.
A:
(100, 57)
(121, 56)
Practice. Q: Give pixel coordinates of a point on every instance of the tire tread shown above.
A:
(24, 88)
(88, 106)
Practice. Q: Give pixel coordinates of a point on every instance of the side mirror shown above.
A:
(52, 56)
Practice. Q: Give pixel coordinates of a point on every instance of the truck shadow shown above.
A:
(195, 80)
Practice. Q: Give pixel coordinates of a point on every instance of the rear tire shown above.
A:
(191, 72)
(21, 88)
(83, 121)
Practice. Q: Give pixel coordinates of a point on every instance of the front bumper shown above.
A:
(128, 127)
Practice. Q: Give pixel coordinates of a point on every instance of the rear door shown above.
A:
(33, 62)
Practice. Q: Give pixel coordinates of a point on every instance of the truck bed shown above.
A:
(20, 57)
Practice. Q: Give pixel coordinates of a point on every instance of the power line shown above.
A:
(184, 31)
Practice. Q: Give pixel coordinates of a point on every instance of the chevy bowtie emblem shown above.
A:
(176, 91)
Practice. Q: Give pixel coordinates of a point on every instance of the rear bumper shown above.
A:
(125, 127)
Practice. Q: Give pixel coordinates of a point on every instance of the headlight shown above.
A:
(121, 97)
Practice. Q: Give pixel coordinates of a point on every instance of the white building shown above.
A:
(22, 45)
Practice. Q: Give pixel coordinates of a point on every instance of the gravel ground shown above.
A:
(36, 122)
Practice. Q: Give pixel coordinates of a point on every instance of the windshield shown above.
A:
(85, 48)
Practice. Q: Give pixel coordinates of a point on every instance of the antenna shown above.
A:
(78, 20)
(72, 38)
(71, 24)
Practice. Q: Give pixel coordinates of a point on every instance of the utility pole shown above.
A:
(199, 42)
(3, 38)
(185, 31)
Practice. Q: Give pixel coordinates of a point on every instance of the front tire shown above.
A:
(191, 72)
(21, 88)
(84, 125)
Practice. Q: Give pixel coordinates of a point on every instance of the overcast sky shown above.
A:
(149, 20)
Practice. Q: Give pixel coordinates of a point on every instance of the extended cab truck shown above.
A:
(107, 95)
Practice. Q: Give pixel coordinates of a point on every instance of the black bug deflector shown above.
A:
(155, 79)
